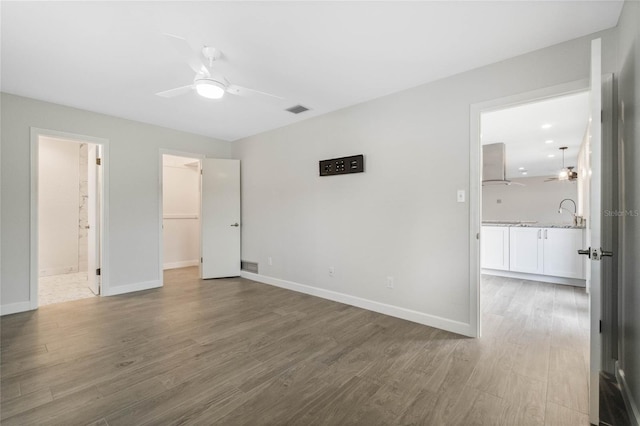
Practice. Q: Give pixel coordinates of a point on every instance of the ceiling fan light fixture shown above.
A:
(210, 89)
(564, 174)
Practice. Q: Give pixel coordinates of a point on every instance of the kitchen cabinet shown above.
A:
(560, 256)
(495, 247)
(546, 251)
(551, 252)
(526, 250)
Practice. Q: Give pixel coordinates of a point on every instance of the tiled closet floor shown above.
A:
(63, 288)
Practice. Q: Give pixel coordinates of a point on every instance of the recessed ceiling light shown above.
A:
(520, 168)
(551, 155)
(524, 173)
(549, 141)
(546, 126)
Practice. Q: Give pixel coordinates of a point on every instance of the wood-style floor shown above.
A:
(236, 352)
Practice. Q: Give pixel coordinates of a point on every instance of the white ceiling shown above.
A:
(521, 129)
(111, 57)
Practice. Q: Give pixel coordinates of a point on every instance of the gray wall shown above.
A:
(133, 197)
(629, 144)
(536, 201)
(400, 218)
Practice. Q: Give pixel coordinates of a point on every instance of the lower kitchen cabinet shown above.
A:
(495, 247)
(540, 251)
(526, 250)
(561, 258)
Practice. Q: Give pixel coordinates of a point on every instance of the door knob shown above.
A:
(235, 224)
(586, 252)
(604, 253)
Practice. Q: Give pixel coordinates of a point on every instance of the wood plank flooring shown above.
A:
(236, 352)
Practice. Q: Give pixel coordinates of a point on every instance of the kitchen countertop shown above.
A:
(529, 224)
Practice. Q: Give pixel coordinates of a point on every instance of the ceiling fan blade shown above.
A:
(194, 58)
(245, 91)
(172, 93)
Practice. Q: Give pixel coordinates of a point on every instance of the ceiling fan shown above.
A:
(207, 82)
(567, 173)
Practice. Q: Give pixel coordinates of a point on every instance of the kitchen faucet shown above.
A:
(575, 210)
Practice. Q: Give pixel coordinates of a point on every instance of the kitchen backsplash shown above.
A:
(536, 201)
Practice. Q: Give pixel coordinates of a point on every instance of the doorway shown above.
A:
(200, 220)
(501, 206)
(533, 281)
(67, 217)
(599, 352)
(181, 197)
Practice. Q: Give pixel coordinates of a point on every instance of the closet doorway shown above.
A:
(181, 198)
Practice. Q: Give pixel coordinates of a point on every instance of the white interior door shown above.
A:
(93, 216)
(220, 218)
(594, 227)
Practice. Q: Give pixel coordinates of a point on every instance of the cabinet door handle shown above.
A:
(545, 234)
(539, 234)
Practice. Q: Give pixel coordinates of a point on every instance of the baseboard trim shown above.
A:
(130, 288)
(382, 308)
(14, 308)
(535, 277)
(181, 264)
(632, 408)
(59, 270)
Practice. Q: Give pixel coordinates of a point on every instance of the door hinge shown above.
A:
(98, 271)
(600, 326)
(98, 161)
(200, 260)
(478, 236)
(601, 116)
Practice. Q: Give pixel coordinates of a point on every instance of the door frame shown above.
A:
(199, 158)
(475, 180)
(35, 134)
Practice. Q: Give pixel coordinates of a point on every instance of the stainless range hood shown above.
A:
(494, 165)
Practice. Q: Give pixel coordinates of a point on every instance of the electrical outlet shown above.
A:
(332, 271)
(390, 282)
(270, 261)
(342, 165)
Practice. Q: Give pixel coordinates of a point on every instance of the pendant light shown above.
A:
(564, 173)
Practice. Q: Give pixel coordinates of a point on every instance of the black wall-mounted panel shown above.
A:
(342, 166)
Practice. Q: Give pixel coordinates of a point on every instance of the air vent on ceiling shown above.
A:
(297, 109)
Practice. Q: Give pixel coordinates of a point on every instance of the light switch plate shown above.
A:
(461, 195)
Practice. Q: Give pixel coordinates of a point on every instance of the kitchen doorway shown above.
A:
(67, 217)
(570, 316)
(507, 202)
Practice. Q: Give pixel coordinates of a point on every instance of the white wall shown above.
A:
(400, 218)
(629, 223)
(536, 201)
(83, 197)
(133, 197)
(59, 207)
(181, 211)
